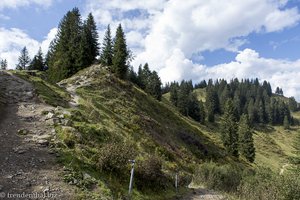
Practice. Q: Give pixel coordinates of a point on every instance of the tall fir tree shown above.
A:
(37, 62)
(286, 123)
(153, 86)
(229, 133)
(246, 144)
(24, 60)
(121, 54)
(174, 88)
(65, 53)
(106, 55)
(3, 64)
(89, 43)
(212, 104)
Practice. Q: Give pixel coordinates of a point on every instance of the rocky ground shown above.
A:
(28, 164)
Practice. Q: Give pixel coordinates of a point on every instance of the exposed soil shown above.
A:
(27, 164)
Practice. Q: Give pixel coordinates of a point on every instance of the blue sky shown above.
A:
(180, 39)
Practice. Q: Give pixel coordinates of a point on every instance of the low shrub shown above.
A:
(149, 174)
(114, 156)
(220, 177)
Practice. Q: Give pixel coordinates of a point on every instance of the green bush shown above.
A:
(149, 174)
(114, 156)
(224, 177)
(267, 185)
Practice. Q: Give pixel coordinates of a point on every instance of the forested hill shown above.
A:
(249, 97)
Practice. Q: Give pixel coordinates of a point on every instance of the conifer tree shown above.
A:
(3, 64)
(107, 48)
(229, 129)
(153, 86)
(89, 49)
(246, 145)
(65, 54)
(212, 104)
(121, 54)
(174, 87)
(37, 62)
(293, 105)
(23, 59)
(286, 123)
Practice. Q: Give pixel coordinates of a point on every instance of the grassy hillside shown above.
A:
(274, 145)
(116, 121)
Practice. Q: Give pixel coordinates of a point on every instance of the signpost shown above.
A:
(131, 177)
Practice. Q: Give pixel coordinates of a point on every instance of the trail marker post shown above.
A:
(131, 177)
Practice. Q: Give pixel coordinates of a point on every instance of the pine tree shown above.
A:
(293, 105)
(23, 59)
(3, 64)
(174, 87)
(37, 62)
(65, 55)
(212, 103)
(246, 145)
(91, 34)
(153, 86)
(121, 54)
(107, 48)
(229, 129)
(286, 123)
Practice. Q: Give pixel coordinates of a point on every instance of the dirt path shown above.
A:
(27, 165)
(203, 194)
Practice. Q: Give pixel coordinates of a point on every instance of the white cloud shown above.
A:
(13, 40)
(175, 31)
(247, 64)
(21, 3)
(195, 26)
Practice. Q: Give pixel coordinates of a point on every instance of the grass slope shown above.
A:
(114, 111)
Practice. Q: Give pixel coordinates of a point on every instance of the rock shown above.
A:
(61, 116)
(1, 188)
(50, 115)
(42, 142)
(21, 151)
(86, 176)
(23, 132)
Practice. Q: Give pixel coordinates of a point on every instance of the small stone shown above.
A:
(86, 176)
(23, 132)
(43, 142)
(50, 115)
(21, 151)
(1, 188)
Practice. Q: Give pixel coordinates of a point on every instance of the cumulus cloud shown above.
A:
(13, 40)
(171, 34)
(21, 3)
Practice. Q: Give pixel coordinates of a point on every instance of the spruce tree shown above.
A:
(153, 86)
(107, 48)
(3, 64)
(89, 43)
(23, 59)
(229, 129)
(286, 123)
(121, 54)
(212, 103)
(246, 145)
(65, 53)
(293, 105)
(37, 62)
(174, 87)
